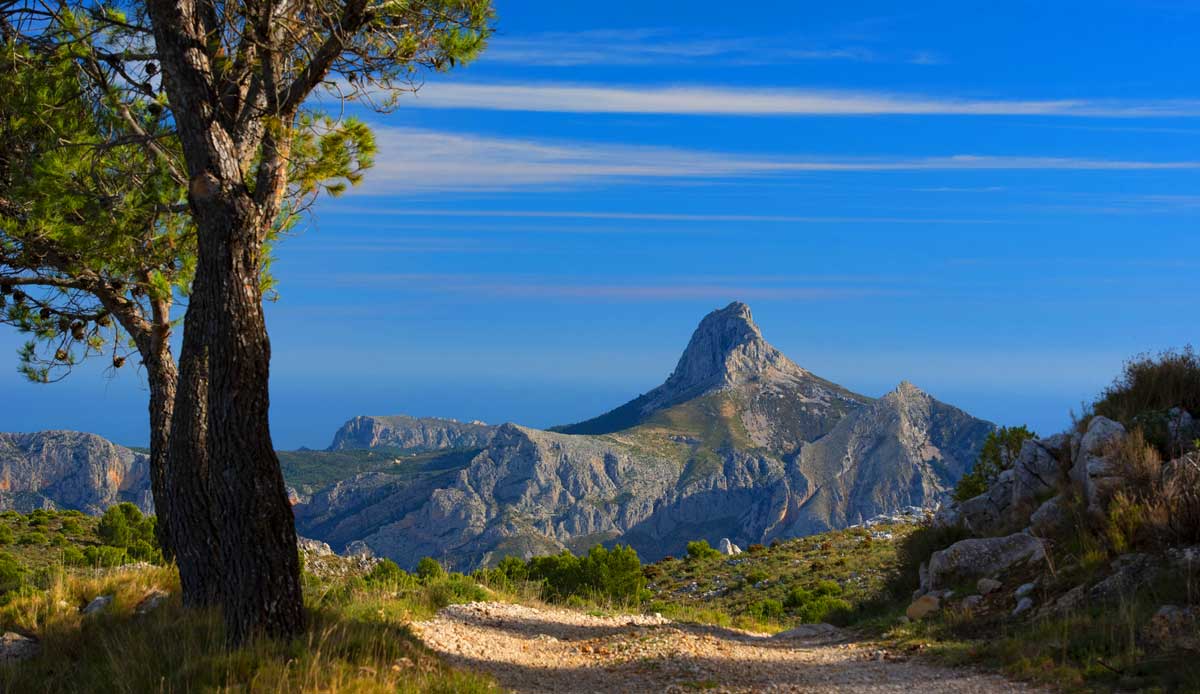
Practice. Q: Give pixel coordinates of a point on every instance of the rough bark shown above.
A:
(221, 426)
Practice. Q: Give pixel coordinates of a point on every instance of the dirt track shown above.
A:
(539, 650)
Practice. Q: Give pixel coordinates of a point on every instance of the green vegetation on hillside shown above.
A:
(310, 471)
(37, 546)
(833, 577)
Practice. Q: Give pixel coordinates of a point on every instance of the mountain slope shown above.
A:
(739, 442)
(70, 470)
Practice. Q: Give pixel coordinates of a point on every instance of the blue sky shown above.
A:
(996, 201)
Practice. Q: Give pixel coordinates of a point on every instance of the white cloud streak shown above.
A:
(730, 101)
(414, 160)
(678, 289)
(658, 47)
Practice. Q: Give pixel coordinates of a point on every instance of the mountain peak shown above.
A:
(727, 348)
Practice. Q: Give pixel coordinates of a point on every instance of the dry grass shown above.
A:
(1158, 506)
(361, 646)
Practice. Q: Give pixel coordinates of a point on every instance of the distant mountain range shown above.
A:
(738, 442)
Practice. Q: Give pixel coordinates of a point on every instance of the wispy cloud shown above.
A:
(716, 100)
(637, 216)
(659, 46)
(415, 160)
(682, 288)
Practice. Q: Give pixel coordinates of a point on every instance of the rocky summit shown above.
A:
(739, 443)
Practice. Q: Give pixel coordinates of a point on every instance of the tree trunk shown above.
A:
(221, 425)
(162, 377)
(260, 566)
(193, 529)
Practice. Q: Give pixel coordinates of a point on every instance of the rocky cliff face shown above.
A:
(738, 443)
(411, 434)
(70, 470)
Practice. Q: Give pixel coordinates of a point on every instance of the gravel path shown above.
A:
(535, 650)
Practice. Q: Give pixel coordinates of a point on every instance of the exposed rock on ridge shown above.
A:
(70, 470)
(411, 434)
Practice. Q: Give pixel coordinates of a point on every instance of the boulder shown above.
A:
(972, 602)
(358, 548)
(984, 514)
(1036, 469)
(152, 601)
(1067, 602)
(1024, 589)
(14, 646)
(1094, 470)
(1174, 628)
(1129, 571)
(98, 605)
(987, 586)
(1023, 605)
(728, 548)
(922, 607)
(982, 557)
(313, 547)
(1049, 518)
(1182, 429)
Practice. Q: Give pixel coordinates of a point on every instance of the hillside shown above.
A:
(738, 442)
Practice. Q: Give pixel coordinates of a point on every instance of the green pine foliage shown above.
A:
(999, 452)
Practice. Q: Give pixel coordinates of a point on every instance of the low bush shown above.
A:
(388, 573)
(34, 538)
(1147, 388)
(613, 575)
(429, 569)
(12, 574)
(6, 535)
(700, 549)
(767, 610)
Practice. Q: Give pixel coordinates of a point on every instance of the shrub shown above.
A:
(756, 576)
(827, 587)
(999, 451)
(124, 525)
(71, 526)
(73, 556)
(388, 573)
(767, 609)
(756, 548)
(1149, 384)
(33, 538)
(614, 574)
(12, 575)
(700, 549)
(429, 569)
(453, 589)
(1159, 503)
(6, 535)
(104, 556)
